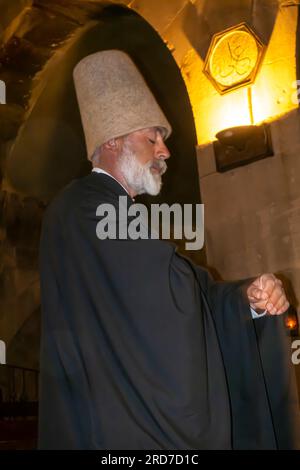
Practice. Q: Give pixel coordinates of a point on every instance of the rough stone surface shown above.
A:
(20, 221)
(160, 14)
(252, 213)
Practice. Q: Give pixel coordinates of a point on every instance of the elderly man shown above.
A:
(141, 349)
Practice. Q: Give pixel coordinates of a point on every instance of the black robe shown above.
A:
(141, 349)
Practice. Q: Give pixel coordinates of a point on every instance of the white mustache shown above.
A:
(159, 165)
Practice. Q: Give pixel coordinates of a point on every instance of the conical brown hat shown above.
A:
(114, 99)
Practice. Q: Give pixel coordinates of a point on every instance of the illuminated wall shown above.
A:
(270, 95)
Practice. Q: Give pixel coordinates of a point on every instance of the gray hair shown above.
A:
(96, 154)
(98, 151)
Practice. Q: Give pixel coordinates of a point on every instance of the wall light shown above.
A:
(291, 321)
(242, 145)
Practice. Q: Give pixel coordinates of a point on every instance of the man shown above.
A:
(141, 349)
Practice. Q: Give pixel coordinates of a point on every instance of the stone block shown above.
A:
(159, 13)
(206, 160)
(9, 10)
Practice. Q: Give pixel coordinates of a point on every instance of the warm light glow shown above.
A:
(270, 96)
(232, 112)
(291, 323)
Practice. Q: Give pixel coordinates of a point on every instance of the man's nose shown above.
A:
(162, 152)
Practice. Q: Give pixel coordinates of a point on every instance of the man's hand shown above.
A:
(267, 293)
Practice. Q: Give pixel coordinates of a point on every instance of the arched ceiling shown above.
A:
(36, 33)
(37, 63)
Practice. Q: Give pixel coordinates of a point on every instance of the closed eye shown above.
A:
(151, 140)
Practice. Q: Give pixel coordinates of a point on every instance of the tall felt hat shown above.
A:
(114, 99)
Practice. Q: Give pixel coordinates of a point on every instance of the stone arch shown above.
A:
(51, 141)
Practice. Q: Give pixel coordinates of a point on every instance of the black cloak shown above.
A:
(141, 349)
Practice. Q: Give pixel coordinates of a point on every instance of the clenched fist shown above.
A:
(267, 293)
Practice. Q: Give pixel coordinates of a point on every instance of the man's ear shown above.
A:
(112, 145)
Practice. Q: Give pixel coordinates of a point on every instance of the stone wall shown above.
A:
(20, 220)
(257, 206)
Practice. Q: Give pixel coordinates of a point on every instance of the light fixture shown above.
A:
(242, 145)
(291, 321)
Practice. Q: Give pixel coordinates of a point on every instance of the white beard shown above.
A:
(139, 177)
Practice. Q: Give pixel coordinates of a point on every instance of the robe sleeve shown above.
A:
(257, 360)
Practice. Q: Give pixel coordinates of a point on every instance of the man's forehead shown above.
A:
(148, 130)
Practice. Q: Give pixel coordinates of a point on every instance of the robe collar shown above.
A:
(104, 180)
